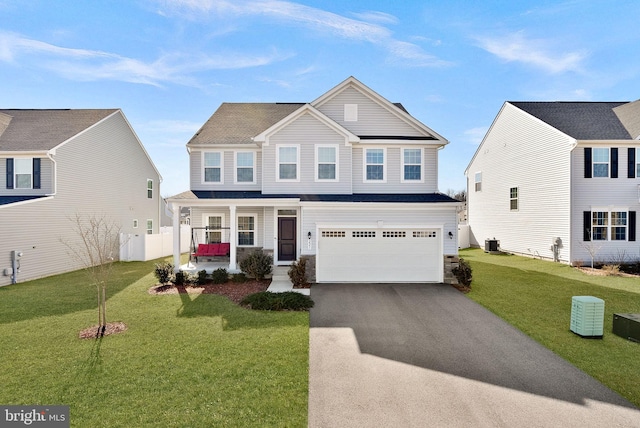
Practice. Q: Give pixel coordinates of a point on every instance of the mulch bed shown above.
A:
(232, 290)
(112, 328)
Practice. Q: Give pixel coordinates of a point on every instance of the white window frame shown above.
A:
(365, 164)
(236, 166)
(609, 226)
(26, 161)
(403, 178)
(594, 163)
(205, 223)
(135, 223)
(336, 149)
(149, 226)
(149, 188)
(514, 198)
(297, 163)
(204, 167)
(254, 231)
(477, 182)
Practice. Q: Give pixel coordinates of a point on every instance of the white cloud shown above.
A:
(314, 18)
(536, 52)
(475, 135)
(92, 65)
(375, 16)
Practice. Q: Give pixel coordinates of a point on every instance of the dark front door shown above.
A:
(286, 238)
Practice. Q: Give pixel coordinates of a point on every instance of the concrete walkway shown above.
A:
(409, 355)
(280, 281)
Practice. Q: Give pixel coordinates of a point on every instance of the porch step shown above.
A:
(280, 281)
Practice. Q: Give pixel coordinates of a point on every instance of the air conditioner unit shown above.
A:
(627, 326)
(491, 245)
(587, 316)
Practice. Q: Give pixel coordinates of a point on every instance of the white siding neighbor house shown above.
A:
(56, 164)
(559, 180)
(348, 181)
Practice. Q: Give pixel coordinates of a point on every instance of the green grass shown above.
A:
(535, 296)
(185, 360)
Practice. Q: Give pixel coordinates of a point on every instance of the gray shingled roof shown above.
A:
(580, 120)
(44, 129)
(237, 123)
(31, 130)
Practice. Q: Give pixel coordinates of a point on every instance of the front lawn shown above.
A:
(185, 360)
(535, 296)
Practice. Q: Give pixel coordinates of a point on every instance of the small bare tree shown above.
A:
(96, 249)
(591, 247)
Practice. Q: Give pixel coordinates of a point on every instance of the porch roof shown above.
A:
(203, 195)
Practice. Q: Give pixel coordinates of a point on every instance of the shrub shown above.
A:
(202, 277)
(220, 276)
(611, 270)
(164, 272)
(257, 265)
(239, 278)
(463, 273)
(182, 278)
(286, 301)
(298, 273)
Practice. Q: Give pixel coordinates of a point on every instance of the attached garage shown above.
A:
(379, 255)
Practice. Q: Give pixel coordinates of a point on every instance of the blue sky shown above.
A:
(169, 64)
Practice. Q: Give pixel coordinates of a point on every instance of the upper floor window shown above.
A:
(288, 159)
(477, 181)
(212, 166)
(149, 188)
(374, 161)
(412, 165)
(600, 162)
(637, 163)
(513, 199)
(326, 163)
(245, 162)
(23, 173)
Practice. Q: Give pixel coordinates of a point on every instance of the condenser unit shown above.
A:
(587, 316)
(627, 326)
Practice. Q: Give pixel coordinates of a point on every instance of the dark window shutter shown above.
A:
(632, 225)
(586, 226)
(631, 162)
(587, 162)
(614, 162)
(36, 173)
(9, 173)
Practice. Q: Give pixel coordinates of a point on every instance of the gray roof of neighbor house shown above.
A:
(580, 120)
(35, 130)
(191, 195)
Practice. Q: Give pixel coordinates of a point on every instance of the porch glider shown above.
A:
(212, 250)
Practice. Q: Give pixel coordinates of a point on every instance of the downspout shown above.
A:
(55, 174)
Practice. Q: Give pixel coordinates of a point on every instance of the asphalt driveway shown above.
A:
(416, 355)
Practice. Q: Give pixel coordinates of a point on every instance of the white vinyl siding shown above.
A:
(521, 149)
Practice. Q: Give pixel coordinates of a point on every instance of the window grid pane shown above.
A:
(245, 175)
(412, 172)
(326, 154)
(245, 159)
(375, 172)
(412, 156)
(288, 171)
(288, 154)
(326, 172)
(212, 159)
(375, 156)
(212, 174)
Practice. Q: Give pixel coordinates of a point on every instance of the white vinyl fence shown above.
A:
(143, 247)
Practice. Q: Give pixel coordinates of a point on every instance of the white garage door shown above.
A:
(379, 255)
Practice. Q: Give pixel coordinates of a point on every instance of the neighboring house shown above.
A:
(559, 180)
(55, 164)
(348, 181)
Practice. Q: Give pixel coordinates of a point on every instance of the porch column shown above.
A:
(233, 237)
(176, 236)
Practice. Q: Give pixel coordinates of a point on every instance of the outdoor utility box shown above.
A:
(490, 245)
(587, 316)
(627, 326)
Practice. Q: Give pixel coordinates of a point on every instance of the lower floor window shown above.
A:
(246, 230)
(149, 227)
(607, 226)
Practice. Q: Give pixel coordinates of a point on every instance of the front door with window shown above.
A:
(286, 238)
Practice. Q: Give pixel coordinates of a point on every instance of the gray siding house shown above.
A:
(348, 181)
(55, 164)
(559, 180)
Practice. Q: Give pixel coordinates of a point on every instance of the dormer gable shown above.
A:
(263, 137)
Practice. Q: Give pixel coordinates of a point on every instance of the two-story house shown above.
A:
(559, 180)
(348, 181)
(55, 164)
